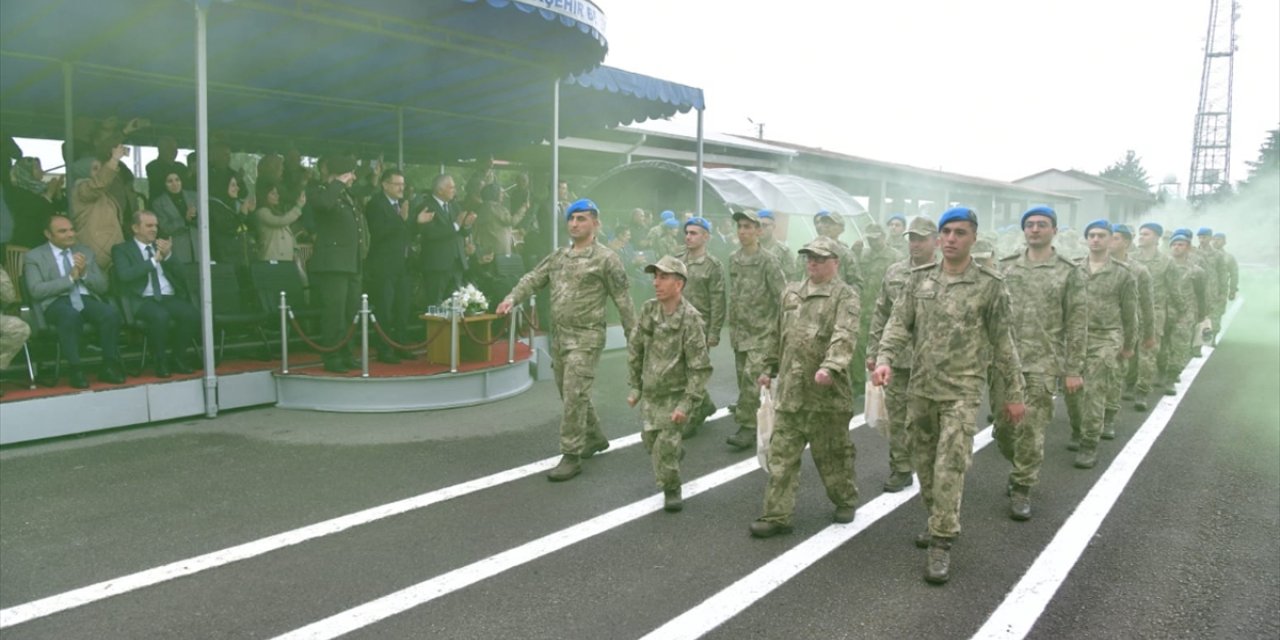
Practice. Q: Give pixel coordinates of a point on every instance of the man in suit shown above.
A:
(442, 232)
(67, 284)
(154, 284)
(386, 270)
(340, 247)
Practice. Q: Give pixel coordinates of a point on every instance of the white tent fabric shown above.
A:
(779, 192)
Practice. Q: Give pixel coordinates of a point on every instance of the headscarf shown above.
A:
(24, 176)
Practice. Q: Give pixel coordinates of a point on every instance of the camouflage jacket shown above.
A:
(1158, 266)
(957, 325)
(1050, 313)
(580, 281)
(895, 280)
(755, 287)
(1215, 272)
(667, 355)
(705, 290)
(792, 269)
(850, 272)
(1233, 274)
(1146, 299)
(1113, 299)
(817, 329)
(662, 243)
(873, 265)
(1187, 302)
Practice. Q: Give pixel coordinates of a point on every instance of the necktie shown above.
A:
(153, 276)
(77, 302)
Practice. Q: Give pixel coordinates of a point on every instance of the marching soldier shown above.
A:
(756, 283)
(1233, 267)
(1145, 370)
(1187, 307)
(874, 262)
(831, 225)
(1121, 241)
(704, 289)
(1215, 284)
(769, 242)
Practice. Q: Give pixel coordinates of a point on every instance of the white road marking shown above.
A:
(735, 598)
(49, 605)
(1024, 604)
(444, 584)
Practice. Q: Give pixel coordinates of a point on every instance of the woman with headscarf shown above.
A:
(31, 201)
(275, 237)
(175, 210)
(494, 222)
(229, 224)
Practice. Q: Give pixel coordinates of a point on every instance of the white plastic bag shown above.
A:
(876, 411)
(764, 426)
(1198, 339)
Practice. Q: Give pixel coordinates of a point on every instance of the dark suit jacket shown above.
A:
(46, 283)
(132, 271)
(388, 237)
(441, 243)
(339, 231)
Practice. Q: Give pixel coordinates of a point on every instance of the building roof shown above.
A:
(1111, 187)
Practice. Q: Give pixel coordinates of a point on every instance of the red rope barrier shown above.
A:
(407, 347)
(467, 330)
(311, 343)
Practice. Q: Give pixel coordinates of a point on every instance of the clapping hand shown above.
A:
(78, 264)
(426, 216)
(164, 247)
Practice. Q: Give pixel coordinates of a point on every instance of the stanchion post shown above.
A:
(511, 336)
(284, 333)
(453, 340)
(364, 335)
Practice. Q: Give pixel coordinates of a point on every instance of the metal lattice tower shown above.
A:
(1211, 146)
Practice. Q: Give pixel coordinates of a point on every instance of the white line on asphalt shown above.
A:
(735, 598)
(28, 611)
(444, 584)
(1024, 604)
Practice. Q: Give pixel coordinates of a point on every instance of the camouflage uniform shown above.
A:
(662, 243)
(1145, 370)
(872, 267)
(669, 369)
(850, 272)
(1145, 290)
(1113, 318)
(1050, 321)
(949, 320)
(705, 291)
(13, 331)
(1215, 281)
(792, 270)
(580, 280)
(1185, 310)
(1233, 274)
(756, 283)
(817, 329)
(895, 393)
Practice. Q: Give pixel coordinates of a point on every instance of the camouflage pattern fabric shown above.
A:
(1146, 368)
(756, 283)
(895, 401)
(827, 434)
(941, 451)
(1087, 408)
(817, 329)
(792, 270)
(1023, 444)
(895, 394)
(667, 356)
(1186, 308)
(705, 289)
(661, 438)
(575, 371)
(873, 266)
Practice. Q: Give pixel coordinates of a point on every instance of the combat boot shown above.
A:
(1087, 456)
(672, 500)
(844, 515)
(745, 437)
(1109, 426)
(768, 529)
(592, 448)
(1074, 444)
(1020, 502)
(898, 480)
(569, 467)
(1140, 405)
(937, 569)
(1169, 390)
(1127, 395)
(922, 540)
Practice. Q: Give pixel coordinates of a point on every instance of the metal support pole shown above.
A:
(68, 121)
(511, 336)
(364, 335)
(453, 339)
(697, 194)
(202, 173)
(284, 333)
(555, 165)
(400, 138)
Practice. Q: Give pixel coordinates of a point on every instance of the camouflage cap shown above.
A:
(921, 226)
(668, 264)
(746, 215)
(829, 217)
(822, 246)
(873, 230)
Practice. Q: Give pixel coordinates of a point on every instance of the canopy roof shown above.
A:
(466, 77)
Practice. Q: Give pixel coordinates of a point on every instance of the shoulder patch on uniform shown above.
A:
(1065, 259)
(991, 272)
(924, 267)
(1013, 256)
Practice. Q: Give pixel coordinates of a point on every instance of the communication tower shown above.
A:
(1211, 146)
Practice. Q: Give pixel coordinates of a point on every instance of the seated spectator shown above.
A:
(494, 221)
(67, 283)
(13, 331)
(175, 210)
(31, 201)
(228, 223)
(146, 272)
(95, 212)
(275, 236)
(158, 170)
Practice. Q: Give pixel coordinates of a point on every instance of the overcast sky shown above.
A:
(994, 88)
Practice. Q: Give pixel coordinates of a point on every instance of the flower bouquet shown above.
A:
(468, 301)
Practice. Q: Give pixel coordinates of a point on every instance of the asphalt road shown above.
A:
(1189, 549)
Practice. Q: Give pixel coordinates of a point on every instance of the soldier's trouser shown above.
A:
(857, 368)
(1145, 364)
(1177, 345)
(749, 367)
(941, 449)
(13, 334)
(662, 440)
(895, 400)
(575, 370)
(827, 433)
(1023, 444)
(1087, 407)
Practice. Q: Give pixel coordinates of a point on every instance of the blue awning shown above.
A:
(467, 77)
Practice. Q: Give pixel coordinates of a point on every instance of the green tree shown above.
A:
(1268, 162)
(1128, 171)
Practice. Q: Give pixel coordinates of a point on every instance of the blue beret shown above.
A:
(957, 213)
(668, 215)
(1220, 235)
(584, 204)
(1180, 237)
(671, 223)
(1183, 231)
(1040, 210)
(896, 216)
(1154, 227)
(764, 213)
(1204, 231)
(698, 221)
(1100, 223)
(1122, 228)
